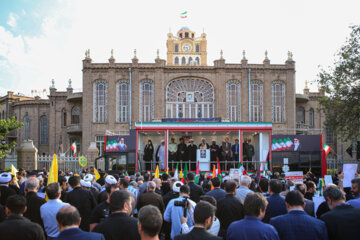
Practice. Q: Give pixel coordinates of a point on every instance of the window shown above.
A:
(63, 117)
(100, 102)
(197, 48)
(256, 102)
(190, 60)
(75, 115)
(176, 47)
(192, 35)
(311, 117)
(186, 34)
(146, 101)
(100, 144)
(300, 115)
(122, 101)
(44, 130)
(189, 98)
(329, 136)
(26, 128)
(278, 102)
(180, 35)
(183, 60)
(176, 60)
(233, 101)
(197, 60)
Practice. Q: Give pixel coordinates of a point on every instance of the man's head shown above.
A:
(184, 190)
(172, 140)
(181, 140)
(151, 186)
(226, 139)
(63, 183)
(245, 181)
(230, 187)
(311, 187)
(68, 217)
(301, 187)
(264, 184)
(32, 185)
(203, 140)
(146, 177)
(157, 181)
(150, 221)
(209, 199)
(294, 200)
(191, 141)
(204, 214)
(190, 177)
(15, 205)
(215, 182)
(276, 175)
(124, 183)
(255, 205)
(275, 186)
(120, 201)
(74, 181)
(355, 187)
(333, 195)
(164, 177)
(236, 141)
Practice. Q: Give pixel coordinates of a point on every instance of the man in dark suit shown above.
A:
(151, 198)
(217, 192)
(119, 225)
(5, 190)
(34, 202)
(203, 217)
(16, 226)
(229, 209)
(191, 151)
(276, 206)
(297, 225)
(181, 152)
(83, 200)
(195, 190)
(68, 219)
(343, 220)
(150, 222)
(235, 152)
(309, 205)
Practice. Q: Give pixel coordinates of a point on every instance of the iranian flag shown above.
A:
(183, 14)
(321, 187)
(242, 169)
(327, 149)
(288, 143)
(219, 170)
(73, 147)
(176, 173)
(197, 174)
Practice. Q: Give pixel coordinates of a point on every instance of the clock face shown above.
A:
(186, 47)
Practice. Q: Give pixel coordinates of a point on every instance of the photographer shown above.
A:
(177, 208)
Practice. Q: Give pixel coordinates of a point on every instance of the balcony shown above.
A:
(302, 127)
(74, 97)
(74, 129)
(302, 98)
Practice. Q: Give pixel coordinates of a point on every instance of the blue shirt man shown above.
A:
(217, 192)
(251, 227)
(355, 189)
(174, 213)
(355, 202)
(49, 210)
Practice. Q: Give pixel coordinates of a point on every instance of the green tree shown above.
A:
(341, 83)
(6, 126)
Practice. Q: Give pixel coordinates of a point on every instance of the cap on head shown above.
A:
(176, 186)
(5, 177)
(88, 177)
(110, 179)
(85, 183)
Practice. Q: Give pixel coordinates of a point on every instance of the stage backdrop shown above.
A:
(295, 143)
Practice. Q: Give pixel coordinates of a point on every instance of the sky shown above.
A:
(42, 40)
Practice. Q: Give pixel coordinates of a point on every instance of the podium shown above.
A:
(203, 156)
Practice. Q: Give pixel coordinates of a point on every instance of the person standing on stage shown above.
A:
(203, 144)
(235, 151)
(148, 154)
(191, 150)
(214, 152)
(172, 147)
(181, 152)
(161, 155)
(226, 152)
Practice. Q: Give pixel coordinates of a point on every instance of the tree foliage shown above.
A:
(6, 126)
(341, 83)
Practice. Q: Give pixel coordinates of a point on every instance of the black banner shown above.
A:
(295, 143)
(124, 143)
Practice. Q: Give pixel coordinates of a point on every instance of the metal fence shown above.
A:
(64, 163)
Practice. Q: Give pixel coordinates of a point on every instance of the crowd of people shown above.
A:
(139, 206)
(226, 152)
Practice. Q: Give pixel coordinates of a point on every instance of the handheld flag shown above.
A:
(176, 173)
(183, 14)
(219, 169)
(181, 175)
(97, 175)
(185, 171)
(321, 187)
(157, 174)
(73, 147)
(242, 169)
(53, 172)
(14, 171)
(327, 149)
(197, 174)
(213, 176)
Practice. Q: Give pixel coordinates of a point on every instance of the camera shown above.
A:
(183, 203)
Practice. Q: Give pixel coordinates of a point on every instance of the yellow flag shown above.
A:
(157, 174)
(53, 172)
(13, 172)
(181, 175)
(97, 175)
(167, 171)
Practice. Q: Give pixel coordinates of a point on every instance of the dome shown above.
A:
(184, 29)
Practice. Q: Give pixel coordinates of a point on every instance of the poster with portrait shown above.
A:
(120, 143)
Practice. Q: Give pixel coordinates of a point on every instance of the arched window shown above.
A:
(122, 101)
(256, 102)
(300, 115)
(100, 101)
(75, 115)
(183, 60)
(44, 130)
(278, 102)
(176, 60)
(63, 117)
(190, 98)
(190, 60)
(311, 117)
(146, 101)
(197, 60)
(176, 48)
(197, 48)
(26, 128)
(233, 101)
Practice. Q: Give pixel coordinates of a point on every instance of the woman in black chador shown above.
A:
(148, 155)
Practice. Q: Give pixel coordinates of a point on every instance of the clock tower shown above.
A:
(185, 49)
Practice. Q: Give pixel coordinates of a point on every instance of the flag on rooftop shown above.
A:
(183, 14)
